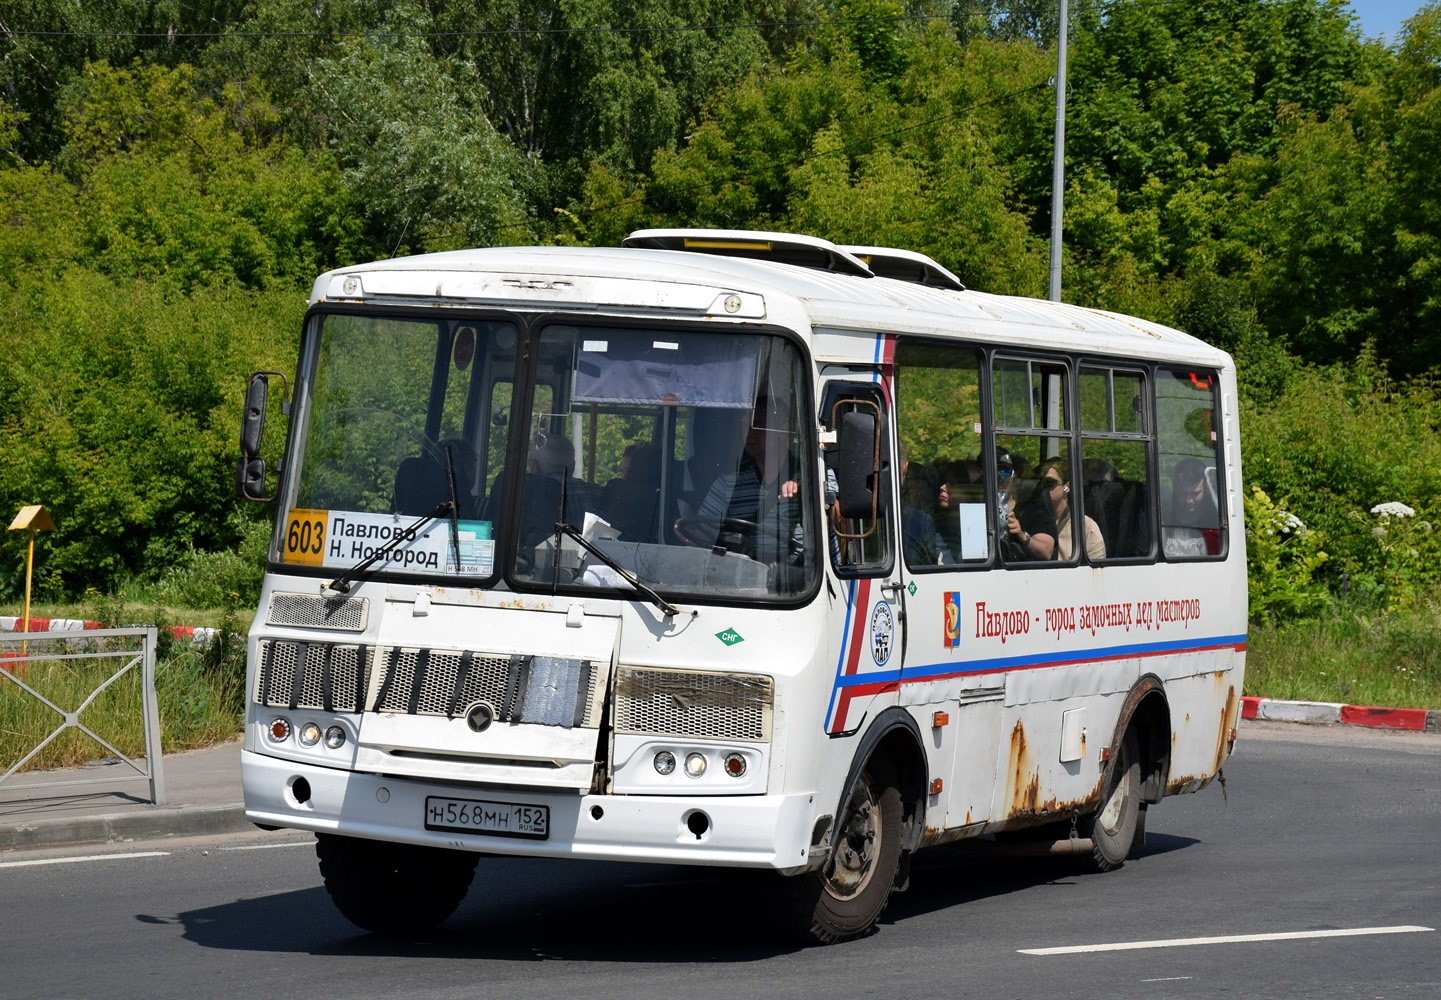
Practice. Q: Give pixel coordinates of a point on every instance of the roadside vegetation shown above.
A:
(1251, 171)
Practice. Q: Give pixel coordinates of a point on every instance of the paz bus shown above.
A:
(739, 549)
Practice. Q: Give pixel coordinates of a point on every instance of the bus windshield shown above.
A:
(680, 455)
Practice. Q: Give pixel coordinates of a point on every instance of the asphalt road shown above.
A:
(1320, 830)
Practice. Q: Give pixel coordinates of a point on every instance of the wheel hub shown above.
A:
(854, 857)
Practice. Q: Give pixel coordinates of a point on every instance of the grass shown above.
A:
(199, 694)
(1390, 659)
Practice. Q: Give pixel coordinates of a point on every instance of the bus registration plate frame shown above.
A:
(493, 819)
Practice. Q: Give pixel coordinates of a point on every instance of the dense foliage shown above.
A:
(175, 174)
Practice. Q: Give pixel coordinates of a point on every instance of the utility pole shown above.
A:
(1058, 160)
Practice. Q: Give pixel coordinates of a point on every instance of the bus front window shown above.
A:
(680, 455)
(391, 427)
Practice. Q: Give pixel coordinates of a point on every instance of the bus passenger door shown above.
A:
(866, 631)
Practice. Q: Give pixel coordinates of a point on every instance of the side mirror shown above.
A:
(250, 468)
(858, 458)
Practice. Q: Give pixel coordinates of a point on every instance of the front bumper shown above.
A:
(744, 831)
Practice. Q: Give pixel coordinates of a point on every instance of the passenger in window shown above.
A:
(921, 542)
(1028, 529)
(630, 501)
(1190, 524)
(1056, 488)
(759, 501)
(553, 457)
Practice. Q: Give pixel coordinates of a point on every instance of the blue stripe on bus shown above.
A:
(931, 670)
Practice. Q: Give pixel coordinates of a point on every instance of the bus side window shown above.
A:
(943, 484)
(1114, 474)
(1188, 437)
(1032, 461)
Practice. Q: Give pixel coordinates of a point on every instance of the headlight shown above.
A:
(335, 737)
(664, 762)
(309, 735)
(695, 764)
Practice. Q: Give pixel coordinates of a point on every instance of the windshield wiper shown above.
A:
(343, 583)
(670, 610)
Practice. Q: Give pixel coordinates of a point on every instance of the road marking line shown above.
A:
(1166, 979)
(88, 857)
(1228, 939)
(270, 847)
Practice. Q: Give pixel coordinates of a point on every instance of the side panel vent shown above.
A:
(691, 703)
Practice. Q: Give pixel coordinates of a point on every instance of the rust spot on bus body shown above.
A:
(1223, 737)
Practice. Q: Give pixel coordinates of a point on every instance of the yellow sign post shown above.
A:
(30, 519)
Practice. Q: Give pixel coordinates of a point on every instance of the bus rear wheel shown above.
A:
(845, 898)
(1112, 828)
(393, 889)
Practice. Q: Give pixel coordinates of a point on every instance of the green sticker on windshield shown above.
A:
(730, 637)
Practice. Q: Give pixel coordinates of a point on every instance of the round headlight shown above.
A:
(309, 735)
(664, 762)
(335, 737)
(735, 765)
(695, 764)
(279, 729)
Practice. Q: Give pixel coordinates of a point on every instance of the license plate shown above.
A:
(496, 819)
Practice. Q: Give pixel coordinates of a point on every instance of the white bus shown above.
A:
(733, 548)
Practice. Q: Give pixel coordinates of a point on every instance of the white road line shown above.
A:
(88, 857)
(1228, 939)
(270, 847)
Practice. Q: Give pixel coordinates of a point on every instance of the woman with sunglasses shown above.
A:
(1056, 486)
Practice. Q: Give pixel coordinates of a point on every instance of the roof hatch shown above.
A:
(785, 248)
(905, 265)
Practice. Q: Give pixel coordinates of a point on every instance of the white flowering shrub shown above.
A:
(1282, 558)
(1402, 562)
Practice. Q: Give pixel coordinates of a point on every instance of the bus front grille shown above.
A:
(544, 690)
(693, 703)
(314, 675)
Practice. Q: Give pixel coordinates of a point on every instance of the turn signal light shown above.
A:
(279, 729)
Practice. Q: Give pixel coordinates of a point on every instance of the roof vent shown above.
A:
(784, 248)
(905, 265)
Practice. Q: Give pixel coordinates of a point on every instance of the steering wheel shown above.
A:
(710, 530)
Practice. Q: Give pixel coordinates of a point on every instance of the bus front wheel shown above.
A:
(1112, 828)
(845, 898)
(393, 889)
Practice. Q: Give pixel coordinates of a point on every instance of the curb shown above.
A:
(40, 626)
(164, 821)
(1330, 712)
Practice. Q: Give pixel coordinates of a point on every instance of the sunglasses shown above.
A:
(1050, 483)
(1005, 473)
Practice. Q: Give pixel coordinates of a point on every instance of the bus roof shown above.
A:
(830, 297)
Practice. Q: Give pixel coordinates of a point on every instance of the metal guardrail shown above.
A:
(135, 647)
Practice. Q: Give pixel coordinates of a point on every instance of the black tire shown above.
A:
(844, 899)
(393, 889)
(1112, 827)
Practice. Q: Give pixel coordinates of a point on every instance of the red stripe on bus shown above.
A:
(858, 627)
